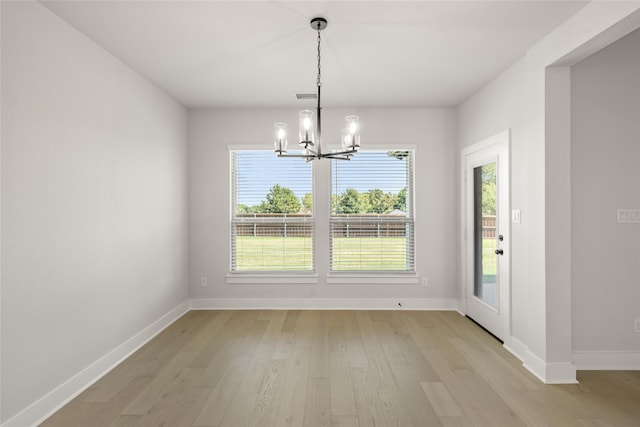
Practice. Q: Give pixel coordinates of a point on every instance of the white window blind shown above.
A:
(271, 216)
(372, 220)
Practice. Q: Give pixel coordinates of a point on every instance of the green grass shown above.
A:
(369, 254)
(489, 260)
(264, 253)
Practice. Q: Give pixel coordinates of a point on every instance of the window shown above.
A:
(271, 216)
(370, 225)
(372, 221)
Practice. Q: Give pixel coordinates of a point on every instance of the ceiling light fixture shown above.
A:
(310, 143)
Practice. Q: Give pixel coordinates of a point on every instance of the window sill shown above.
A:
(372, 279)
(272, 279)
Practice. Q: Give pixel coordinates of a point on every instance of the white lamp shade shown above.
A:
(353, 128)
(307, 128)
(280, 142)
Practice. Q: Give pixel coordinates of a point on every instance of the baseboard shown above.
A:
(560, 373)
(607, 360)
(530, 361)
(56, 399)
(324, 303)
(516, 347)
(547, 372)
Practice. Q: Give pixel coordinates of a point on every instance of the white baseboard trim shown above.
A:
(516, 347)
(46, 406)
(547, 372)
(607, 360)
(560, 373)
(324, 303)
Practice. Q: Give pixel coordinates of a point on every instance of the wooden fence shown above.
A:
(301, 225)
(489, 227)
(365, 225)
(274, 225)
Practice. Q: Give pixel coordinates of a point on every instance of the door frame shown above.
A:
(500, 141)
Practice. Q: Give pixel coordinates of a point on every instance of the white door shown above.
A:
(486, 233)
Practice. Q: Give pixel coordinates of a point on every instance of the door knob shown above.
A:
(499, 252)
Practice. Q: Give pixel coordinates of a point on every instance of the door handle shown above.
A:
(499, 252)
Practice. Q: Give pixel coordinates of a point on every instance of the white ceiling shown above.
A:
(261, 53)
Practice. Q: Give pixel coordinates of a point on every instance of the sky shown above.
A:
(259, 170)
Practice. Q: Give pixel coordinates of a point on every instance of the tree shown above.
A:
(280, 200)
(400, 155)
(349, 202)
(335, 203)
(307, 201)
(241, 208)
(489, 189)
(365, 203)
(378, 201)
(401, 200)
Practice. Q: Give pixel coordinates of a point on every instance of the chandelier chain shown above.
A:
(318, 81)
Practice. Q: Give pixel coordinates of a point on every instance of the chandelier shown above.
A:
(310, 141)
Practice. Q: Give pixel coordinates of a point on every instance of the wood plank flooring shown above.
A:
(340, 368)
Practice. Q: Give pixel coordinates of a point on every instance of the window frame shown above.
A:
(322, 194)
(258, 276)
(366, 276)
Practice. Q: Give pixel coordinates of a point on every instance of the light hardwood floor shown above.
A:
(340, 368)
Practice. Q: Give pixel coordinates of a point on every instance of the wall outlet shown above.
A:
(203, 282)
(636, 326)
(425, 281)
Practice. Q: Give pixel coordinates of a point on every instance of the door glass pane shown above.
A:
(485, 237)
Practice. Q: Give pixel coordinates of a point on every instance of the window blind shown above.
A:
(271, 213)
(372, 219)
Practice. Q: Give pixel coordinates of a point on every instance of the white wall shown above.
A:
(524, 99)
(432, 130)
(605, 176)
(93, 204)
(499, 106)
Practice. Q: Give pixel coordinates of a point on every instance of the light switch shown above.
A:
(515, 216)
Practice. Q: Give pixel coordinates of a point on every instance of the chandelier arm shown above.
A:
(311, 154)
(332, 157)
(300, 156)
(350, 152)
